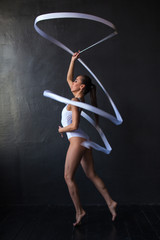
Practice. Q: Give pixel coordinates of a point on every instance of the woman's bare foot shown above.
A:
(112, 208)
(79, 217)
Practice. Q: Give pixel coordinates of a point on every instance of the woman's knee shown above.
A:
(68, 178)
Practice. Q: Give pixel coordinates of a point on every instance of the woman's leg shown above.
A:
(88, 167)
(73, 158)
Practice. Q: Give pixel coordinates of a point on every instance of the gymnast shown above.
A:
(77, 153)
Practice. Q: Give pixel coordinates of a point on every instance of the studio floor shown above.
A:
(55, 223)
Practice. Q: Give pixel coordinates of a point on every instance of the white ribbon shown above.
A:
(116, 120)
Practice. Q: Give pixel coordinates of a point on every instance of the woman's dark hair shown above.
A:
(90, 87)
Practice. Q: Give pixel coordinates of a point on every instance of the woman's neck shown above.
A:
(79, 95)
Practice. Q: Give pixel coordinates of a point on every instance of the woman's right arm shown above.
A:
(70, 74)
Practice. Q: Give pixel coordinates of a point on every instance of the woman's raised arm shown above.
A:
(70, 74)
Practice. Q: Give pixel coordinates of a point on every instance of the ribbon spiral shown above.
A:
(116, 120)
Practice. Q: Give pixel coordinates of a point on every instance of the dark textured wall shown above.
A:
(32, 153)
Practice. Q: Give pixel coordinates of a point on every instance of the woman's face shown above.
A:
(77, 84)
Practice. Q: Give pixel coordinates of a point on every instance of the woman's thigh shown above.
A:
(88, 164)
(74, 156)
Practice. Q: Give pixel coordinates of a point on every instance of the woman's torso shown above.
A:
(66, 119)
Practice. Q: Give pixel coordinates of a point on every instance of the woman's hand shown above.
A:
(75, 56)
(59, 130)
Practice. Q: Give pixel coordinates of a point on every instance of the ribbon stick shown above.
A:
(100, 41)
(116, 120)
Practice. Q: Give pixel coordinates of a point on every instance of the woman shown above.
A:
(78, 154)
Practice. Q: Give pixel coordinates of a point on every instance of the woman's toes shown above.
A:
(79, 218)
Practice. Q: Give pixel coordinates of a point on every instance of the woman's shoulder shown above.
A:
(69, 106)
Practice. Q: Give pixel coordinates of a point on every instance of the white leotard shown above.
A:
(66, 119)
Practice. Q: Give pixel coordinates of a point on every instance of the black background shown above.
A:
(32, 154)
